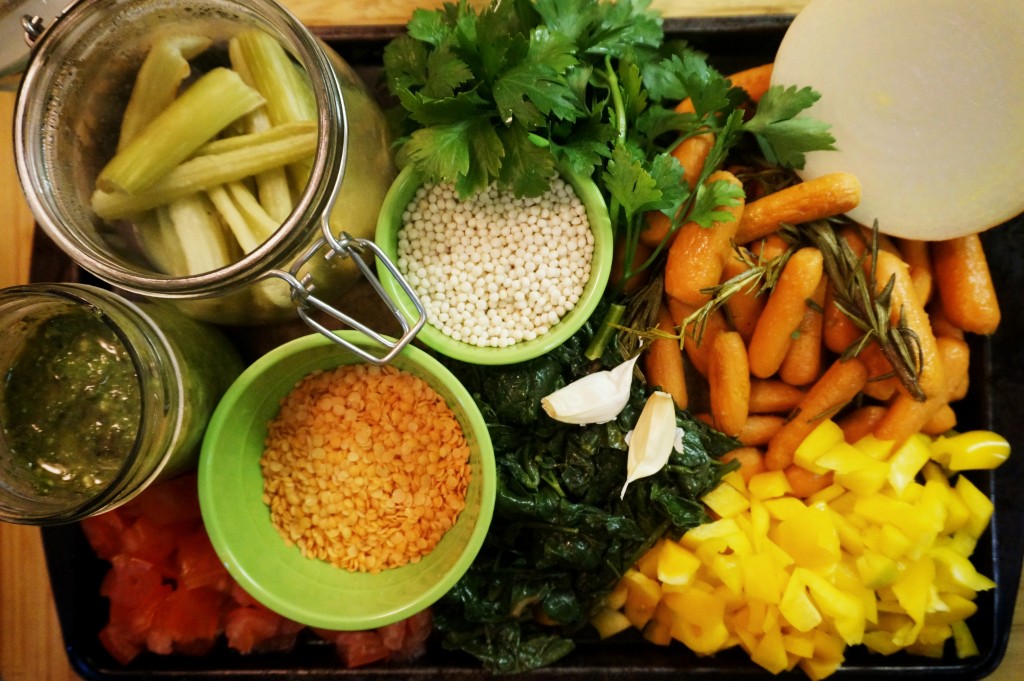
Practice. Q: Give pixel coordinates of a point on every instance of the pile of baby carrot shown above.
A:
(770, 364)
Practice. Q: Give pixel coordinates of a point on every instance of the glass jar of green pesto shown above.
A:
(304, 248)
(100, 397)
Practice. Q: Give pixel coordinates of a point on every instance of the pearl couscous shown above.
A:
(494, 270)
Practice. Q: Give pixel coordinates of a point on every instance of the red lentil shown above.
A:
(364, 467)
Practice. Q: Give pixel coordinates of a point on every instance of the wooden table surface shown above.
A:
(30, 643)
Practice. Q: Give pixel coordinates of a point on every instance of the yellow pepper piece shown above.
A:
(824, 437)
(907, 461)
(642, 597)
(963, 640)
(726, 501)
(769, 485)
(973, 450)
(609, 622)
(979, 506)
(676, 564)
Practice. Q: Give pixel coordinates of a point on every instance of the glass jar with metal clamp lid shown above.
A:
(136, 230)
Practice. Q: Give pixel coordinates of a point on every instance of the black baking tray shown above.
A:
(995, 398)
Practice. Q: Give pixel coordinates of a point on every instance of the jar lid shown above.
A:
(21, 23)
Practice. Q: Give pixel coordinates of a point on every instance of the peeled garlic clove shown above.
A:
(652, 440)
(595, 398)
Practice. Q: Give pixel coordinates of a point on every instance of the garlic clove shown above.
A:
(652, 440)
(595, 398)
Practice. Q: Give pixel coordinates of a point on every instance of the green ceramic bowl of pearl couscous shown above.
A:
(502, 280)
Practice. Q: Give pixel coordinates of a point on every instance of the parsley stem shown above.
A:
(604, 332)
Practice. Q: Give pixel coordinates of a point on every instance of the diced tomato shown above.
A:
(418, 628)
(104, 533)
(152, 542)
(169, 502)
(393, 635)
(122, 644)
(188, 622)
(360, 648)
(257, 629)
(136, 590)
(199, 565)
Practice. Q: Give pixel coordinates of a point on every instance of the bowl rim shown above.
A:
(274, 593)
(398, 197)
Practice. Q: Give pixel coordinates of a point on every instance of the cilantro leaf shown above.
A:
(445, 73)
(784, 137)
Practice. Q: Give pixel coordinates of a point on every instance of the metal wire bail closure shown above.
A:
(345, 246)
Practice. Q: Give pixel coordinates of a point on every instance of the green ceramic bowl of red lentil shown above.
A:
(236, 505)
(394, 219)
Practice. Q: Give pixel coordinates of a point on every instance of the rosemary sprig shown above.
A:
(760, 276)
(855, 295)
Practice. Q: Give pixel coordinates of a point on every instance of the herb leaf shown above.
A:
(783, 137)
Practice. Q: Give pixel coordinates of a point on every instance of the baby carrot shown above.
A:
(965, 284)
(698, 254)
(860, 421)
(907, 310)
(916, 255)
(697, 351)
(940, 323)
(943, 420)
(663, 361)
(751, 461)
(838, 330)
(805, 483)
(837, 386)
(772, 396)
(744, 307)
(783, 311)
(729, 382)
(905, 415)
(760, 429)
(802, 363)
(813, 199)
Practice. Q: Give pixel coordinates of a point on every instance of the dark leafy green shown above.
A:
(561, 536)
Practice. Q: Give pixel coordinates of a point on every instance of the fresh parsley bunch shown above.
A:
(507, 93)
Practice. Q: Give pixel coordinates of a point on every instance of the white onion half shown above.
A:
(926, 101)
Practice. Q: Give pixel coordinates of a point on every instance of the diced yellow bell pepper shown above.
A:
(960, 569)
(844, 458)
(647, 564)
(816, 669)
(761, 578)
(659, 629)
(912, 589)
(881, 642)
(699, 620)
(784, 507)
(957, 608)
(866, 480)
(726, 501)
(609, 622)
(879, 450)
(893, 542)
(770, 652)
(801, 645)
(846, 611)
(824, 437)
(617, 598)
(726, 567)
(877, 570)
(675, 563)
(978, 505)
(796, 607)
(963, 640)
(769, 485)
(809, 537)
(850, 536)
(973, 450)
(642, 597)
(827, 495)
(907, 461)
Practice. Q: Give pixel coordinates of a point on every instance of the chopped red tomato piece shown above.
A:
(104, 533)
(199, 564)
(189, 622)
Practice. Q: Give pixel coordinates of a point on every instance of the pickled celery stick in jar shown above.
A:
(148, 231)
(101, 397)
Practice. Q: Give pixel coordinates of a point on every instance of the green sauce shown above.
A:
(72, 406)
